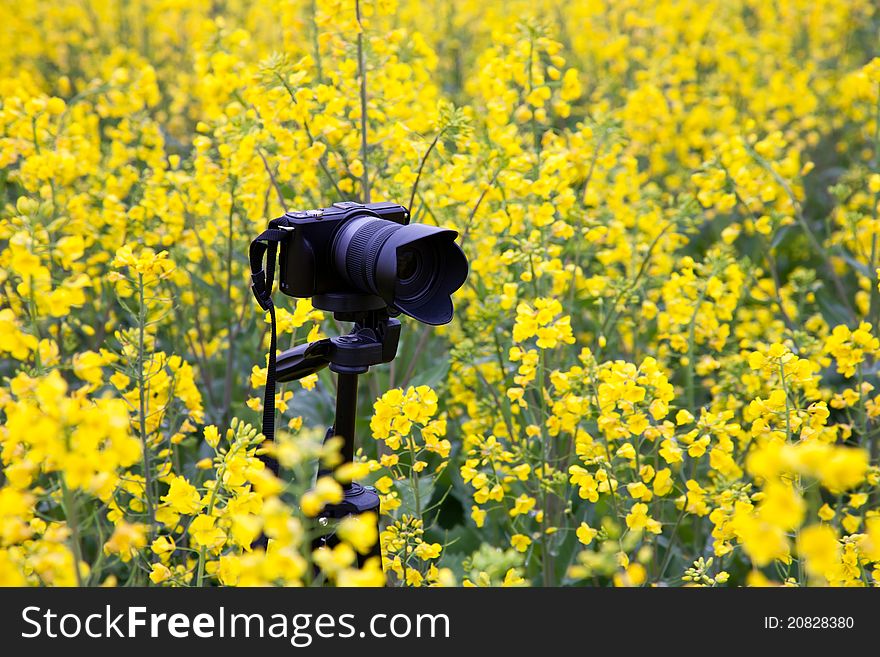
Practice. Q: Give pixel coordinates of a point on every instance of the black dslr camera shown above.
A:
(351, 256)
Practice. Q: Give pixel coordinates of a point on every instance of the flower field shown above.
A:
(663, 368)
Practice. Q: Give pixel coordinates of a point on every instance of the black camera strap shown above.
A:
(265, 249)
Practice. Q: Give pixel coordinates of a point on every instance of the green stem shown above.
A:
(362, 74)
(874, 307)
(612, 312)
(787, 405)
(69, 506)
(230, 324)
(200, 569)
(788, 437)
(672, 537)
(414, 479)
(691, 348)
(142, 406)
(313, 9)
(536, 133)
(548, 565)
(415, 187)
(200, 572)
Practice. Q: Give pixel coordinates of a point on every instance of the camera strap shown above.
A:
(264, 249)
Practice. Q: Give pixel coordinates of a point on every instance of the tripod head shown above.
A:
(372, 340)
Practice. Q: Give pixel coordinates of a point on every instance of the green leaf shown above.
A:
(432, 376)
(407, 494)
(855, 264)
(780, 236)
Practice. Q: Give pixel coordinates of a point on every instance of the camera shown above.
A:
(352, 257)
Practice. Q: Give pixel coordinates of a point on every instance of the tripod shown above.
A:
(373, 340)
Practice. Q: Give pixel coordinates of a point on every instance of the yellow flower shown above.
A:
(513, 578)
(384, 484)
(522, 505)
(182, 496)
(762, 540)
(662, 484)
(425, 551)
(637, 518)
(159, 573)
(126, 540)
(520, 542)
(639, 491)
(360, 531)
(12, 340)
(205, 533)
(684, 417)
(163, 545)
(826, 513)
(212, 436)
(87, 366)
(586, 534)
(818, 546)
(326, 491)
(634, 575)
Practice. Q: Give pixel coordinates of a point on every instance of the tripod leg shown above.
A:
(346, 413)
(357, 499)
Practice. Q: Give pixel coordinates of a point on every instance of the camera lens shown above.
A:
(356, 249)
(408, 261)
(413, 268)
(418, 278)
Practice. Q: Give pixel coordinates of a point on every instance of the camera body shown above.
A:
(307, 259)
(356, 257)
